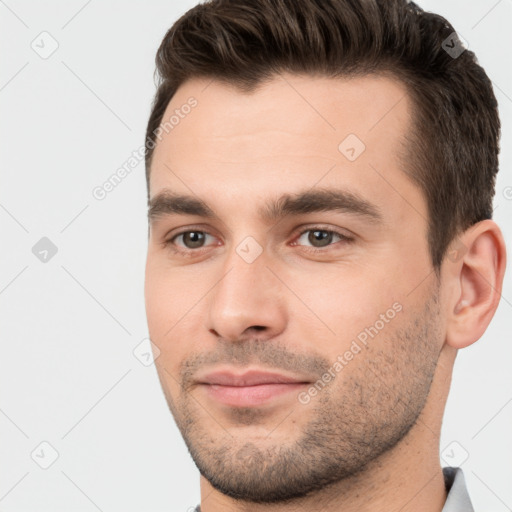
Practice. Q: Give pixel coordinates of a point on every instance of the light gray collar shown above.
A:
(458, 497)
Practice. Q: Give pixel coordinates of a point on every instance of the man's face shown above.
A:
(344, 302)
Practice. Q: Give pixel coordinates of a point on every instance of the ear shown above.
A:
(473, 270)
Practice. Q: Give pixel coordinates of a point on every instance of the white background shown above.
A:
(68, 375)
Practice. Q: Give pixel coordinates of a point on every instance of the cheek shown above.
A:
(345, 300)
(166, 304)
(169, 294)
(174, 300)
(159, 301)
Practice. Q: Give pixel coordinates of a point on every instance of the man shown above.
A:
(320, 181)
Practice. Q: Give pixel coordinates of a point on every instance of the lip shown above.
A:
(250, 388)
(248, 378)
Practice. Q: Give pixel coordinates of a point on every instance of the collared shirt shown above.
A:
(458, 497)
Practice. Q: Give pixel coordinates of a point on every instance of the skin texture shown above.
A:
(369, 439)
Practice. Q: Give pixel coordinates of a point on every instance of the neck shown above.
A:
(406, 478)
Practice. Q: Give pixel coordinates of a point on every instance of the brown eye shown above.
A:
(319, 238)
(192, 239)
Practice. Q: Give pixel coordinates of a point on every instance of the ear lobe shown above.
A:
(474, 282)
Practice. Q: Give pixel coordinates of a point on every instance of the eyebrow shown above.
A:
(168, 202)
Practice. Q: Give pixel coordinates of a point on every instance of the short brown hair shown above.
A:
(452, 154)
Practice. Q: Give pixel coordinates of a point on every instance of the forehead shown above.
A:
(289, 133)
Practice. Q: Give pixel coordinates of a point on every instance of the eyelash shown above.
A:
(315, 250)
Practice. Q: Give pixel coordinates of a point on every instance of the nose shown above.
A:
(247, 300)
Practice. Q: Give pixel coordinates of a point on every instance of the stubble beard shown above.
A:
(366, 411)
